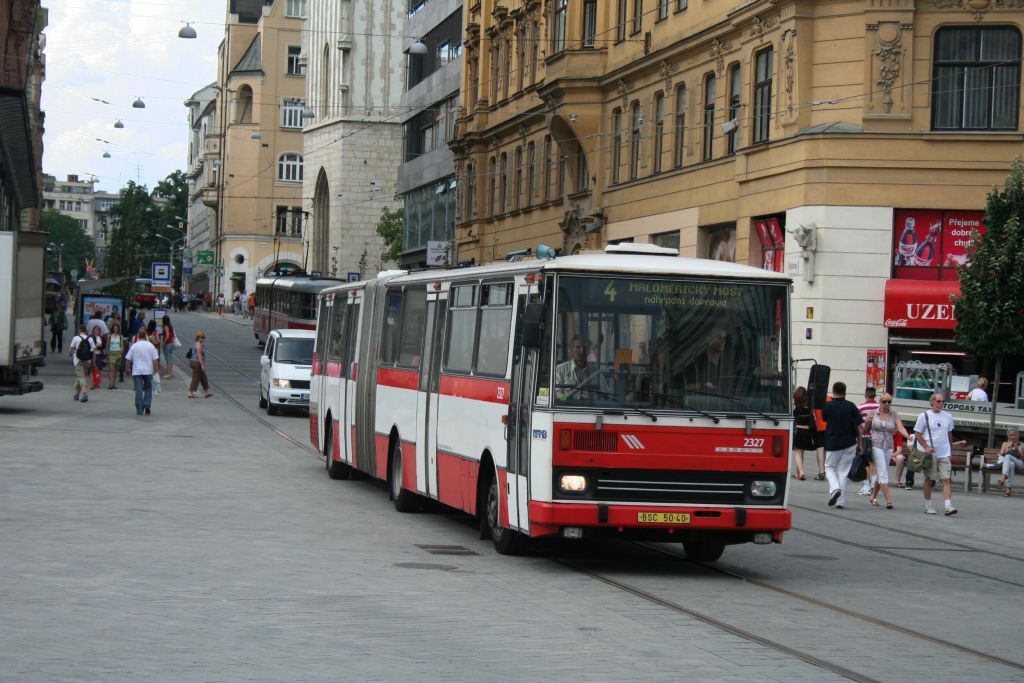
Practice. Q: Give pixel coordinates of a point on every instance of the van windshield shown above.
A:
(294, 351)
(671, 344)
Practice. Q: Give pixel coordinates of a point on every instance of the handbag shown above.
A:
(920, 459)
(189, 354)
(859, 468)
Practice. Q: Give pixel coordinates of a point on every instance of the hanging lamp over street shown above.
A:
(186, 31)
(138, 103)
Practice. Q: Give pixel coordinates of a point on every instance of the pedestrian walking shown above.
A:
(198, 363)
(143, 361)
(169, 343)
(868, 408)
(843, 427)
(97, 357)
(80, 351)
(115, 351)
(58, 322)
(803, 434)
(96, 322)
(139, 322)
(220, 305)
(236, 303)
(883, 426)
(1011, 460)
(252, 304)
(934, 432)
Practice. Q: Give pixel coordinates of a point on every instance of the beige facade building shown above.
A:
(251, 170)
(795, 135)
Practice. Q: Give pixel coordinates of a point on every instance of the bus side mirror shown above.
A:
(533, 321)
(817, 386)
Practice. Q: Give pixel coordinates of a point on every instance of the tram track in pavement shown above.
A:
(746, 634)
(221, 391)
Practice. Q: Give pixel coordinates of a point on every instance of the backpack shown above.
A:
(84, 349)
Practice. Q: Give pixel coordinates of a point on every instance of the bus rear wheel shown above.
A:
(703, 551)
(506, 541)
(405, 501)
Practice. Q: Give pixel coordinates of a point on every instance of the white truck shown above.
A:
(22, 337)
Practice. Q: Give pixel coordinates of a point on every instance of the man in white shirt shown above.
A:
(82, 367)
(934, 430)
(142, 361)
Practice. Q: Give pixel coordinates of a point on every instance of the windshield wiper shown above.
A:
(685, 406)
(736, 399)
(623, 404)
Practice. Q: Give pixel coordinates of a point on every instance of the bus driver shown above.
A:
(574, 372)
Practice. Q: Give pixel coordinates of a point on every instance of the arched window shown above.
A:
(634, 141)
(709, 117)
(659, 130)
(289, 168)
(616, 143)
(548, 163)
(680, 125)
(503, 203)
(531, 170)
(492, 179)
(735, 85)
(518, 186)
(325, 80)
(763, 95)
(243, 105)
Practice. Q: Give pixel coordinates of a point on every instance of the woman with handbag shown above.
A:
(115, 349)
(882, 426)
(169, 343)
(803, 435)
(1011, 460)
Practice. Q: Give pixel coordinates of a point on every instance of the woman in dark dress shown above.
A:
(803, 432)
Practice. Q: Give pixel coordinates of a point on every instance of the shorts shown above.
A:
(940, 469)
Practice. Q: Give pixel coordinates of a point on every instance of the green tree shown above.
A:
(390, 228)
(131, 246)
(990, 308)
(71, 245)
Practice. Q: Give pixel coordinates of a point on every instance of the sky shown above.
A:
(103, 54)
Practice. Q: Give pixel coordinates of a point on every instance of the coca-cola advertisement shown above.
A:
(930, 245)
(773, 241)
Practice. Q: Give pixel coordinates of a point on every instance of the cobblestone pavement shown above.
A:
(197, 544)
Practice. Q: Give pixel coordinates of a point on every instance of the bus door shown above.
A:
(349, 377)
(520, 424)
(427, 397)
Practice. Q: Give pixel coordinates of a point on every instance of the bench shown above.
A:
(989, 466)
(983, 464)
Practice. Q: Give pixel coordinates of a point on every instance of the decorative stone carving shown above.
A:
(977, 8)
(623, 87)
(718, 50)
(761, 25)
(666, 69)
(574, 236)
(789, 64)
(889, 58)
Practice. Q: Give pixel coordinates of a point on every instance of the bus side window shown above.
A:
(495, 328)
(337, 344)
(414, 305)
(461, 332)
(389, 338)
(322, 329)
(351, 330)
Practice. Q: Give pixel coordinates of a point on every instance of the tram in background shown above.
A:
(287, 302)
(630, 393)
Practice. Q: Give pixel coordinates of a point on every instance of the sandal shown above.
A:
(802, 478)
(1008, 492)
(889, 506)
(192, 396)
(820, 476)
(874, 501)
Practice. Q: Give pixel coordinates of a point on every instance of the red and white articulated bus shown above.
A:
(287, 302)
(630, 393)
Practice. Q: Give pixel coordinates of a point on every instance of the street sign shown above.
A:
(162, 273)
(204, 258)
(186, 270)
(354, 277)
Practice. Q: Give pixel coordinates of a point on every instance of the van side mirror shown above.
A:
(264, 360)
(533, 323)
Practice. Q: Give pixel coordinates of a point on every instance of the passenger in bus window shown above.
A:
(713, 368)
(576, 378)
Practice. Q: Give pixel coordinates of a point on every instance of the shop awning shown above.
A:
(920, 304)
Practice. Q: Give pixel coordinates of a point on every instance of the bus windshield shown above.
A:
(670, 344)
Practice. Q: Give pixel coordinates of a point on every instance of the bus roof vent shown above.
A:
(640, 248)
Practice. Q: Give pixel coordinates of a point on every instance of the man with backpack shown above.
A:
(81, 350)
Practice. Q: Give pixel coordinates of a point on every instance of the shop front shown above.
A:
(922, 355)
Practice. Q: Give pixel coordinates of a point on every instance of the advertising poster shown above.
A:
(772, 243)
(876, 369)
(930, 245)
(105, 305)
(721, 243)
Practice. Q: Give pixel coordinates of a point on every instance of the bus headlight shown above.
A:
(763, 489)
(572, 483)
(281, 383)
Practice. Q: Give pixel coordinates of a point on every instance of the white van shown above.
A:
(285, 368)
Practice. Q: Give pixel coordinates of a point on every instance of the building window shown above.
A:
(620, 24)
(471, 191)
(669, 240)
(521, 56)
(291, 113)
(735, 86)
(503, 203)
(680, 125)
(638, 16)
(289, 168)
(681, 5)
(518, 185)
(616, 144)
(548, 161)
(558, 26)
(560, 179)
(535, 51)
(589, 22)
(288, 222)
(507, 66)
(243, 105)
(709, 117)
(531, 170)
(659, 130)
(662, 9)
(634, 140)
(295, 8)
(762, 95)
(977, 78)
(295, 67)
(492, 179)
(473, 65)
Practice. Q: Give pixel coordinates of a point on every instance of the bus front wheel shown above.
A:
(405, 501)
(506, 541)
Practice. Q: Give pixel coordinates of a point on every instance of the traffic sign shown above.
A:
(204, 258)
(220, 270)
(161, 273)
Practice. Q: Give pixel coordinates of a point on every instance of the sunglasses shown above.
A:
(886, 401)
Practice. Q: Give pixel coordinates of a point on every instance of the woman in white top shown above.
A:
(1011, 457)
(882, 426)
(978, 393)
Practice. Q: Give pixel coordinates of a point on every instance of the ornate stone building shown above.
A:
(732, 129)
